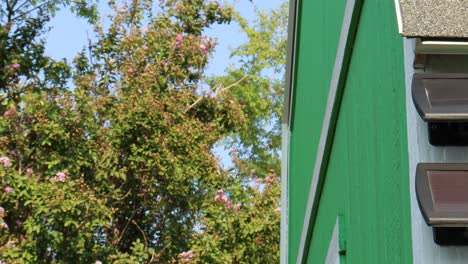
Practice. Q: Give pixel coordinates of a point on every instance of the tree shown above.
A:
(133, 136)
(262, 61)
(245, 226)
(22, 58)
(119, 168)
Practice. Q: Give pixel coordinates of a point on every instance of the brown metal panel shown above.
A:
(441, 97)
(442, 193)
(449, 190)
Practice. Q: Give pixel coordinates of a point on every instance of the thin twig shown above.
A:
(217, 90)
(23, 4)
(123, 197)
(143, 233)
(125, 228)
(234, 84)
(32, 10)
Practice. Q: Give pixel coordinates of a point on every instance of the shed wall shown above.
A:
(367, 177)
(319, 24)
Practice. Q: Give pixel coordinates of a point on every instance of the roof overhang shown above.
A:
(441, 46)
(288, 97)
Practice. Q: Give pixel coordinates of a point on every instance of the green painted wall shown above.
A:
(367, 178)
(316, 51)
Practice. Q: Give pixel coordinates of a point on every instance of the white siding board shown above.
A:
(333, 256)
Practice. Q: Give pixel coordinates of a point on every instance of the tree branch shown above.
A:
(142, 232)
(22, 5)
(33, 9)
(217, 90)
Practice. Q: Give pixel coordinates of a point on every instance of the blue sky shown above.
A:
(69, 34)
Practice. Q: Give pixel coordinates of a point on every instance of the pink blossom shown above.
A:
(15, 66)
(61, 176)
(5, 161)
(221, 197)
(98, 262)
(204, 49)
(122, 10)
(130, 70)
(4, 225)
(237, 207)
(10, 113)
(257, 180)
(29, 171)
(8, 190)
(278, 209)
(144, 47)
(179, 38)
(2, 212)
(186, 256)
(18, 223)
(140, 91)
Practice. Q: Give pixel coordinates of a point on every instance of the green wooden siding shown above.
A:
(367, 178)
(317, 44)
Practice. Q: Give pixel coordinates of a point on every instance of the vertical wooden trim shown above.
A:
(340, 70)
(290, 61)
(284, 194)
(288, 95)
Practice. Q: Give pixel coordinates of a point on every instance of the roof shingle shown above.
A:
(434, 18)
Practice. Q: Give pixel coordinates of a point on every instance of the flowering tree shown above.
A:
(245, 226)
(120, 168)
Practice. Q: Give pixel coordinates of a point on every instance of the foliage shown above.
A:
(250, 233)
(120, 168)
(243, 225)
(22, 25)
(261, 60)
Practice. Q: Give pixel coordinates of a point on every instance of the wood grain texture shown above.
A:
(337, 84)
(367, 176)
(314, 65)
